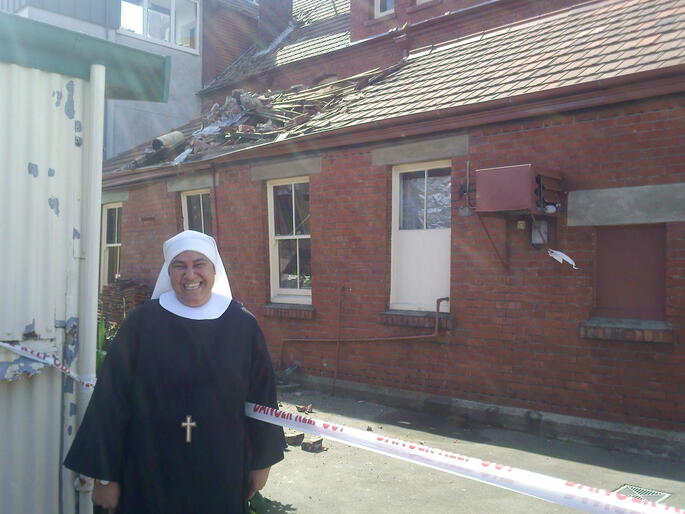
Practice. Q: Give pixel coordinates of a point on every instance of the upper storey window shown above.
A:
(171, 21)
(383, 7)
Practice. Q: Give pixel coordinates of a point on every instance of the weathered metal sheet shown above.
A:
(42, 139)
(12, 5)
(31, 433)
(41, 199)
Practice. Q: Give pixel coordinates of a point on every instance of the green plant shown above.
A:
(105, 334)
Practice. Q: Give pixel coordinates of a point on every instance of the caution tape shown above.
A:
(544, 487)
(555, 490)
(49, 360)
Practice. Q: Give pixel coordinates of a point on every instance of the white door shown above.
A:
(421, 235)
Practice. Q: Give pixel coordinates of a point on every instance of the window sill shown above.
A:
(159, 42)
(636, 330)
(380, 19)
(289, 311)
(424, 5)
(420, 319)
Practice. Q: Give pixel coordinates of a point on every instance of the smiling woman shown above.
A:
(192, 278)
(166, 423)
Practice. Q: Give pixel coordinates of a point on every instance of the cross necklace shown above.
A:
(188, 424)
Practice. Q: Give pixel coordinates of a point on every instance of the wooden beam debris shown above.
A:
(247, 117)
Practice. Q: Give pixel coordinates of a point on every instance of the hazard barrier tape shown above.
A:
(555, 490)
(544, 487)
(50, 360)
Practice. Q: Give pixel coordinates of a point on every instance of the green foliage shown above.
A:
(105, 334)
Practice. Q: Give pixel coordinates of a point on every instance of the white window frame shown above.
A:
(184, 207)
(104, 254)
(172, 29)
(377, 13)
(282, 294)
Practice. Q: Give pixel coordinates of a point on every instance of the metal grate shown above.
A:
(635, 491)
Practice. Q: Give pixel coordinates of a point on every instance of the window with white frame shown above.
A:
(111, 243)
(383, 7)
(173, 21)
(197, 211)
(290, 240)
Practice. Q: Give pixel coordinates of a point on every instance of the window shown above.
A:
(197, 211)
(290, 241)
(630, 272)
(425, 199)
(383, 7)
(173, 21)
(421, 235)
(111, 243)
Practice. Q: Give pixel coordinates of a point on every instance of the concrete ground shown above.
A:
(343, 479)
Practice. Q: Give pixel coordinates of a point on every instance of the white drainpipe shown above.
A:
(90, 239)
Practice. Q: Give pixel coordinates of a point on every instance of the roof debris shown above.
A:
(313, 445)
(247, 119)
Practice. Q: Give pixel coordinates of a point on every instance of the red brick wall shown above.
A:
(520, 331)
(517, 339)
(363, 25)
(149, 217)
(226, 34)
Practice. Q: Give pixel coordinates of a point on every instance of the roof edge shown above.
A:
(612, 91)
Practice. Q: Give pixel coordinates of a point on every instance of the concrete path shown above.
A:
(346, 480)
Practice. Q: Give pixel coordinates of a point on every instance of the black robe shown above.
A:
(159, 369)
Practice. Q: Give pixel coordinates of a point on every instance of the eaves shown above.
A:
(581, 96)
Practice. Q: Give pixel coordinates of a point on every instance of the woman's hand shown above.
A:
(106, 496)
(256, 480)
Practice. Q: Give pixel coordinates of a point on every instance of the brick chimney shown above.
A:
(274, 17)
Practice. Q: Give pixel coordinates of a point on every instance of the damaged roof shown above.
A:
(317, 27)
(582, 45)
(586, 44)
(245, 119)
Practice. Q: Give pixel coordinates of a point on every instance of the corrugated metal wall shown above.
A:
(41, 162)
(12, 5)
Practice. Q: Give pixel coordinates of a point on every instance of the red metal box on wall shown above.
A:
(517, 188)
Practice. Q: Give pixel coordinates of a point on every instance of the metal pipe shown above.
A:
(338, 343)
(90, 236)
(215, 217)
(389, 339)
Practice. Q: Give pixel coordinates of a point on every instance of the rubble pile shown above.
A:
(247, 119)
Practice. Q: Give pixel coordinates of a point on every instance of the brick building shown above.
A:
(458, 173)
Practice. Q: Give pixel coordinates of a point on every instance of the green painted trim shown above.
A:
(131, 74)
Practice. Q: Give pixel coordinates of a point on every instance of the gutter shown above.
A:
(581, 96)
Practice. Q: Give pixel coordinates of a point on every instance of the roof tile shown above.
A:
(582, 44)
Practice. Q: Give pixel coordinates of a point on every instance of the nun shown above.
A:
(165, 430)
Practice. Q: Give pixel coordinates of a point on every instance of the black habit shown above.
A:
(160, 369)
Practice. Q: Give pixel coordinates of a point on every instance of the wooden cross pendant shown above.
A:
(188, 424)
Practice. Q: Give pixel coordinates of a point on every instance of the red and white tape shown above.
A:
(555, 490)
(49, 360)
